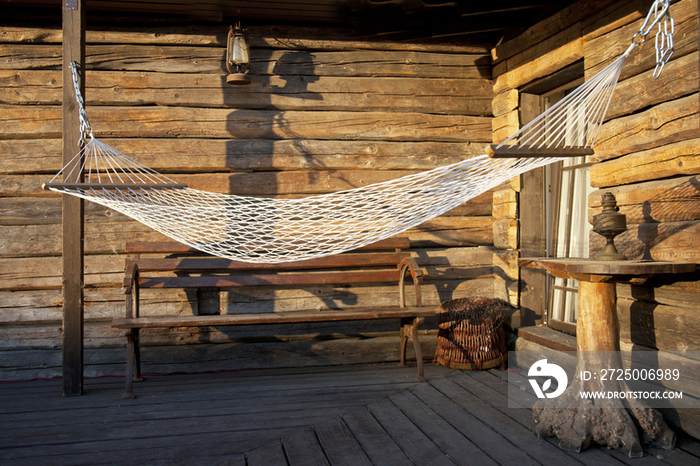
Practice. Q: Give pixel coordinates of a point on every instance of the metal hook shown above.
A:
(663, 42)
(656, 14)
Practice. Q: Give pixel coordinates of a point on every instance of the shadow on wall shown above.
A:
(264, 146)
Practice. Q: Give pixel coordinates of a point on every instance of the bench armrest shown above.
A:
(131, 289)
(408, 265)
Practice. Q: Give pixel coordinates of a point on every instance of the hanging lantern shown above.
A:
(237, 56)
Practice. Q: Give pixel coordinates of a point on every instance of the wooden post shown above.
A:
(73, 235)
(533, 234)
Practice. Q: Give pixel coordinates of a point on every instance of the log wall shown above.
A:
(647, 154)
(320, 115)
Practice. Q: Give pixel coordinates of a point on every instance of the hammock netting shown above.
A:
(256, 229)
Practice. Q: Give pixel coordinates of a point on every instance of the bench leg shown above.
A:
(404, 334)
(137, 356)
(133, 362)
(410, 330)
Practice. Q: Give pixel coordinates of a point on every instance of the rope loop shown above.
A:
(85, 128)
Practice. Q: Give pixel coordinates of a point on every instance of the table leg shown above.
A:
(615, 423)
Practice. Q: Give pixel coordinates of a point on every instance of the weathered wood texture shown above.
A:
(354, 415)
(646, 154)
(323, 113)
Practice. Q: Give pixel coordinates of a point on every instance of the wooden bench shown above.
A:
(383, 261)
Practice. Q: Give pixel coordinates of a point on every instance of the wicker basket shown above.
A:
(471, 334)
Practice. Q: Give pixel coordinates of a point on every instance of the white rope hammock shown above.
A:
(275, 230)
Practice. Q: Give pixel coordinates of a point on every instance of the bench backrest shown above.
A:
(372, 264)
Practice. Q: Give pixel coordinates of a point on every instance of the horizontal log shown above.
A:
(271, 318)
(678, 79)
(183, 59)
(540, 67)
(559, 39)
(45, 272)
(505, 102)
(679, 291)
(505, 264)
(38, 307)
(504, 133)
(446, 96)
(505, 210)
(105, 238)
(337, 348)
(508, 291)
(45, 122)
(104, 304)
(666, 328)
(44, 210)
(99, 333)
(265, 299)
(277, 36)
(466, 231)
(677, 159)
(602, 50)
(108, 270)
(671, 241)
(614, 17)
(32, 306)
(665, 123)
(505, 203)
(505, 233)
(207, 155)
(44, 240)
(570, 17)
(257, 355)
(657, 211)
(510, 120)
(668, 200)
(287, 182)
(664, 190)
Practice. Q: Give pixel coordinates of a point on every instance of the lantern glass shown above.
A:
(237, 56)
(240, 55)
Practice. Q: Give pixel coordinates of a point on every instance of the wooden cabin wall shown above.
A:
(320, 116)
(647, 155)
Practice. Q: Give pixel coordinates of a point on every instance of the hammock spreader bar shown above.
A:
(515, 151)
(112, 186)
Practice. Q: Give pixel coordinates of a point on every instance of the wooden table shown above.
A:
(603, 421)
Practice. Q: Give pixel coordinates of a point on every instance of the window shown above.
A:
(567, 228)
(552, 211)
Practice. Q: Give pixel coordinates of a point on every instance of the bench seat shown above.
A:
(275, 317)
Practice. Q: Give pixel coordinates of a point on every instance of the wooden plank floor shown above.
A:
(350, 415)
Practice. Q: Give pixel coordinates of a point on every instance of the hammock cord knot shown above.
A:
(85, 127)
